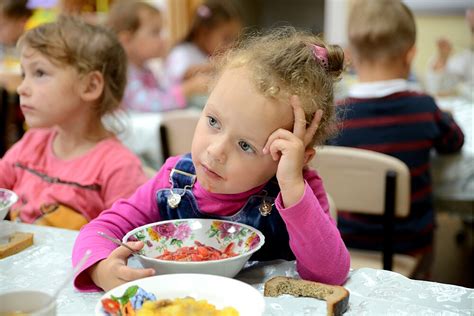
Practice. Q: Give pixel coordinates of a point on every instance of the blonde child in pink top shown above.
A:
(271, 103)
(68, 167)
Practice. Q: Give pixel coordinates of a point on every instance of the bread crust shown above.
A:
(17, 242)
(336, 297)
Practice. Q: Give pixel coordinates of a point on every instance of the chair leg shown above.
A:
(389, 217)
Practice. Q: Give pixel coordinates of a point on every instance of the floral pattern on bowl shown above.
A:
(171, 235)
(7, 199)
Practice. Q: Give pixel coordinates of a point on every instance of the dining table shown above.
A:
(453, 174)
(44, 265)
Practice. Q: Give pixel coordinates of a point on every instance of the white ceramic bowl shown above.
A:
(7, 199)
(173, 234)
(219, 291)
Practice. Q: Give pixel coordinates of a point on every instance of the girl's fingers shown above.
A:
(299, 125)
(123, 253)
(313, 127)
(129, 274)
(278, 134)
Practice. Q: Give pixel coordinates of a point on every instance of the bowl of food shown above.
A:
(209, 246)
(183, 294)
(7, 199)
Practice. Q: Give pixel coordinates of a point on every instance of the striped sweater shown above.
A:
(406, 125)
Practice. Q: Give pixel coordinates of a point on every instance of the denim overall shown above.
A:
(272, 225)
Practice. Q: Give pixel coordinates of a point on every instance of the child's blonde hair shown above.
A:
(380, 29)
(73, 42)
(283, 63)
(124, 15)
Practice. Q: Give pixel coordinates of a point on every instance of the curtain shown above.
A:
(179, 17)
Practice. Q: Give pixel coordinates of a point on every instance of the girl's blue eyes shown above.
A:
(212, 121)
(246, 147)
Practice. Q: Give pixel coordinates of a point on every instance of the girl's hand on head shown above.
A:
(113, 271)
(290, 149)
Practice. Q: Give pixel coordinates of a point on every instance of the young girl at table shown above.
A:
(271, 103)
(138, 26)
(68, 167)
(215, 26)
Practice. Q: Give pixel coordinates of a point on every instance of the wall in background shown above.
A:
(434, 19)
(264, 14)
(430, 28)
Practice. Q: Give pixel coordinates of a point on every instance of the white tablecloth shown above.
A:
(372, 292)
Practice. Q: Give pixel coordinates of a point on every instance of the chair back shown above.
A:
(177, 131)
(356, 179)
(366, 182)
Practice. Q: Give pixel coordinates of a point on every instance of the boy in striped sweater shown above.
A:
(383, 114)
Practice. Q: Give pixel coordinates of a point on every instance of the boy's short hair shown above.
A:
(15, 9)
(380, 29)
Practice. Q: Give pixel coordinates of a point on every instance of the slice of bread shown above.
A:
(18, 241)
(336, 297)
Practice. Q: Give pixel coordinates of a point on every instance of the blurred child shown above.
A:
(68, 167)
(139, 29)
(13, 16)
(216, 25)
(271, 103)
(384, 115)
(447, 72)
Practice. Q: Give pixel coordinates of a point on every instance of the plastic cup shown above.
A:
(34, 303)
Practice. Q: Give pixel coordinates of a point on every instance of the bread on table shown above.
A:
(18, 241)
(336, 297)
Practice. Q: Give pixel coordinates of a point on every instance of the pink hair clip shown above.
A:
(203, 11)
(321, 54)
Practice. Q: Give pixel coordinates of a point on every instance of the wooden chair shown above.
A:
(4, 114)
(177, 131)
(368, 182)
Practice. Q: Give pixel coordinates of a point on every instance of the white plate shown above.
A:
(217, 290)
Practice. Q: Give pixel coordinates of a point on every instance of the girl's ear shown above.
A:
(308, 155)
(124, 37)
(92, 86)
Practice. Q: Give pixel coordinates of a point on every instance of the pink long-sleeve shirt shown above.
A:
(88, 184)
(314, 239)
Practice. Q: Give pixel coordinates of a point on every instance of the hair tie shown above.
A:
(203, 11)
(321, 54)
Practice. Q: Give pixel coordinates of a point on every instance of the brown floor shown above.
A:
(453, 260)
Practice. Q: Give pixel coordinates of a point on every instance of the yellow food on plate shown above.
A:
(187, 306)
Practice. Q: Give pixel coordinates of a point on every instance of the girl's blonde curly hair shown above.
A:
(282, 63)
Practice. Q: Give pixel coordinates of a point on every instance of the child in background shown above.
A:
(138, 26)
(216, 25)
(273, 100)
(13, 16)
(450, 74)
(384, 115)
(68, 166)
